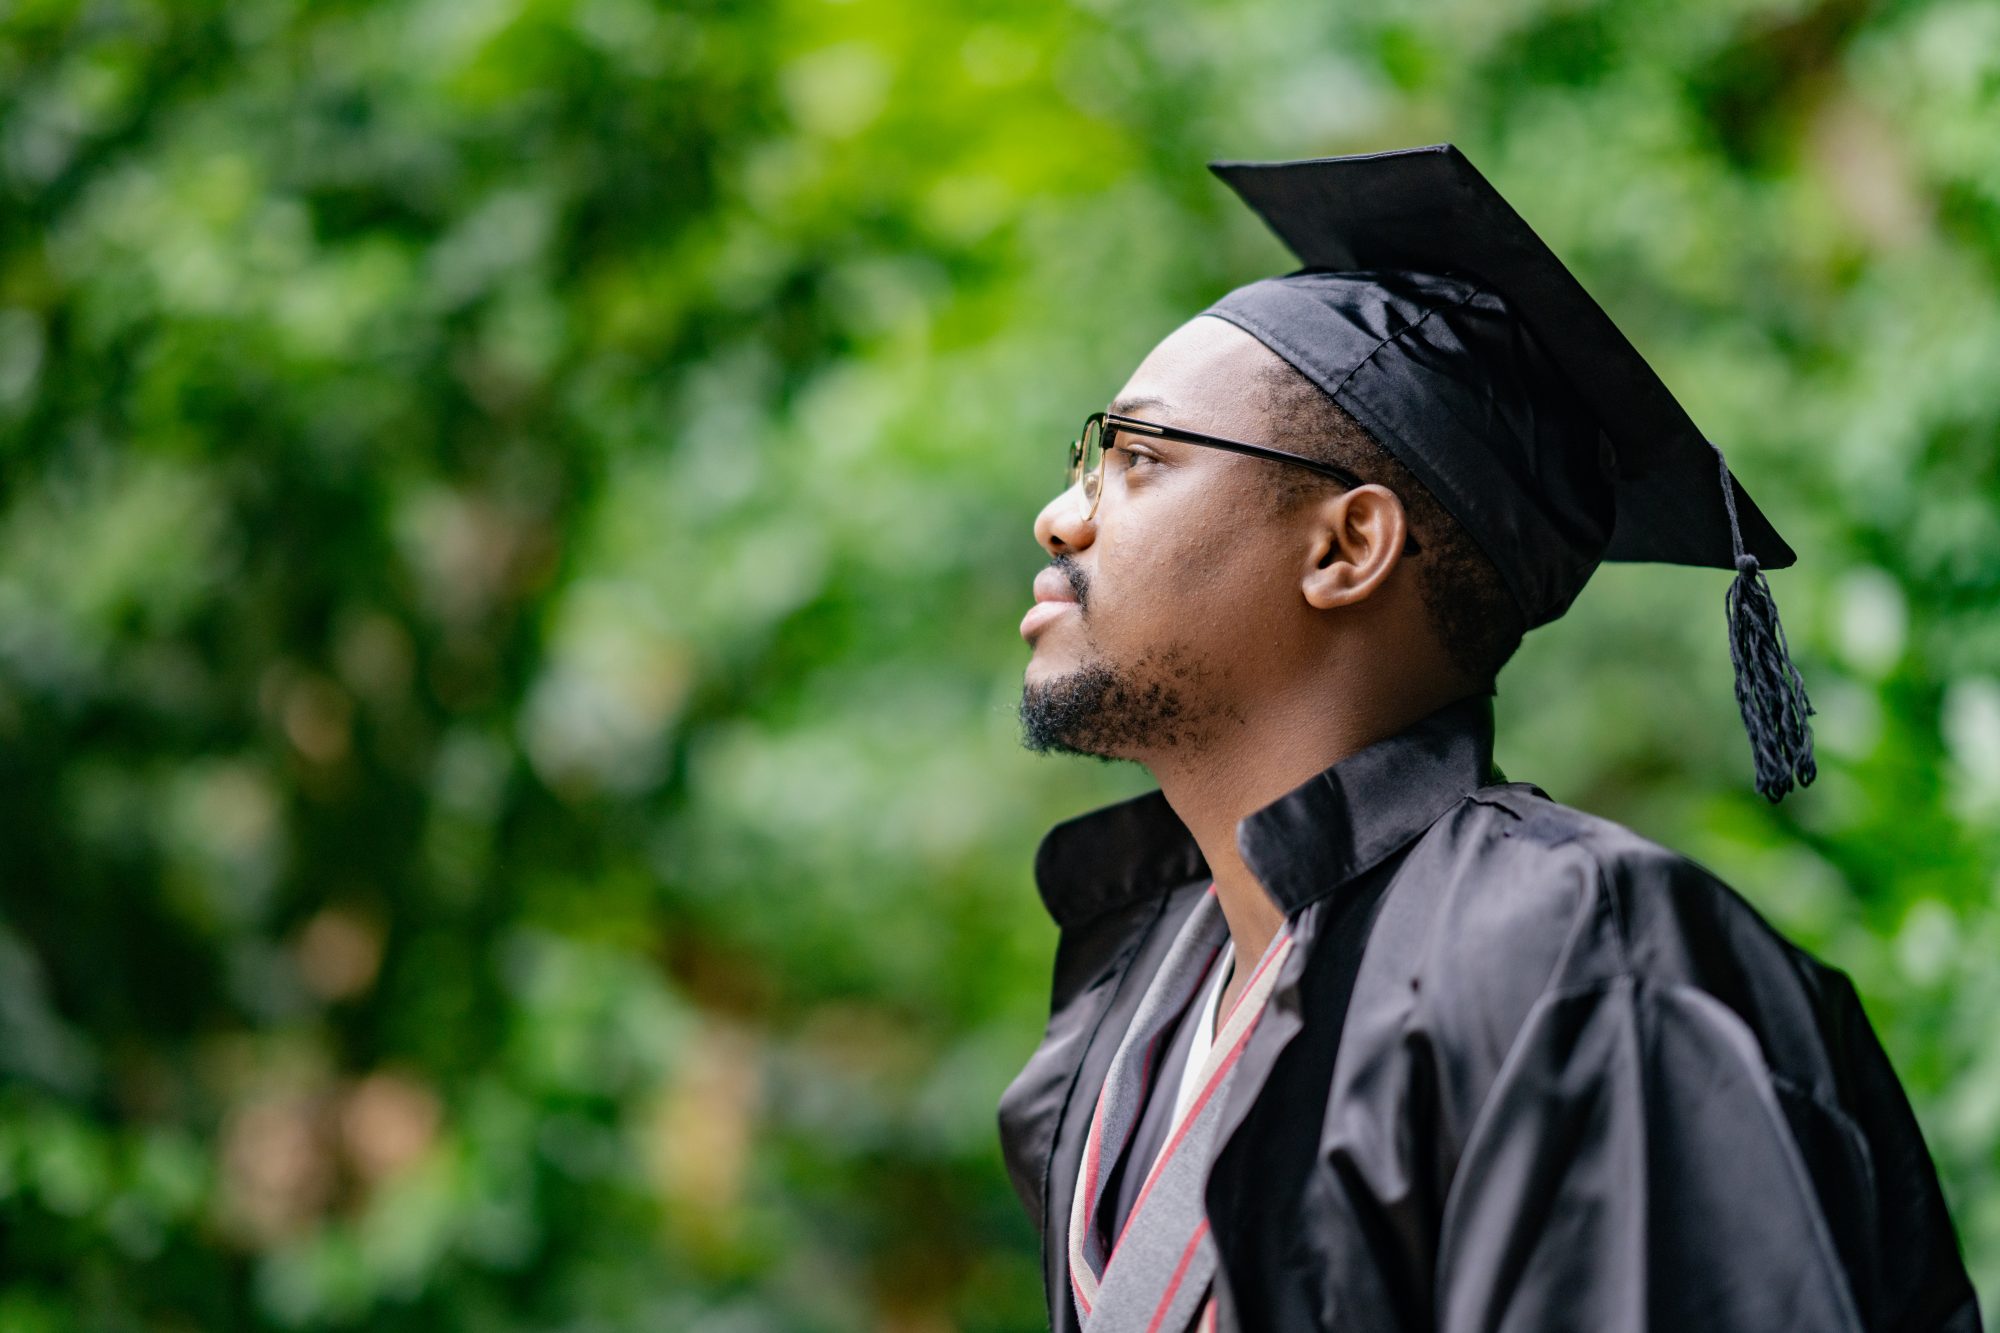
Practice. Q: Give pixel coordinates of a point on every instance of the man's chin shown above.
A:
(1121, 712)
(1065, 712)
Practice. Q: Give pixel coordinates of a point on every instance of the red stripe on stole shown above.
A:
(1173, 1145)
(1193, 1111)
(1093, 1139)
(1180, 1272)
(1096, 1136)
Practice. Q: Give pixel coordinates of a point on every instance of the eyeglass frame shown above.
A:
(1111, 421)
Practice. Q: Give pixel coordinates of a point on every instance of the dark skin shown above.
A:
(1253, 648)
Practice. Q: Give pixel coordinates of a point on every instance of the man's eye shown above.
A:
(1134, 456)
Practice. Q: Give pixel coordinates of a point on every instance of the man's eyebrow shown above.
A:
(1128, 407)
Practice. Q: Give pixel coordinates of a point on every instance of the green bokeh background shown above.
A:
(514, 517)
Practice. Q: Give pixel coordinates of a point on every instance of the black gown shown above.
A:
(1523, 1070)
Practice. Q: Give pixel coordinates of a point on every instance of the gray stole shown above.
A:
(1158, 1273)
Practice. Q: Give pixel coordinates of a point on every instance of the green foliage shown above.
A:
(514, 516)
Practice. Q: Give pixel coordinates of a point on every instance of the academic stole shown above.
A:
(1161, 1267)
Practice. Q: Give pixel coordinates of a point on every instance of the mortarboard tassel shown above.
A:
(1768, 687)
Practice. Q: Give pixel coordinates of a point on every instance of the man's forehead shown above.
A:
(1205, 367)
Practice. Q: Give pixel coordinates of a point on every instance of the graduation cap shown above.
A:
(1436, 318)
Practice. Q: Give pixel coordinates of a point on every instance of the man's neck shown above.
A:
(1278, 750)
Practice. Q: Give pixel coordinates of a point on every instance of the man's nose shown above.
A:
(1061, 527)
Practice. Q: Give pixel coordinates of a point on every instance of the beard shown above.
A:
(1110, 713)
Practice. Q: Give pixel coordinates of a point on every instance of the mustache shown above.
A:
(1073, 574)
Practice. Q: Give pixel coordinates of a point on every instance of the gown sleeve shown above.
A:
(1632, 1168)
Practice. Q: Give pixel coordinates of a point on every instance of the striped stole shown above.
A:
(1158, 1273)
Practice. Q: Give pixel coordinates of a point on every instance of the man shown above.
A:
(1348, 1031)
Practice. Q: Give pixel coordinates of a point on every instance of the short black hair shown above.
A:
(1471, 611)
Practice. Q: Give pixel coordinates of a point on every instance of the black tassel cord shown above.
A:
(1768, 687)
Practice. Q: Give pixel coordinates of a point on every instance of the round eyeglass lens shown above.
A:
(1089, 462)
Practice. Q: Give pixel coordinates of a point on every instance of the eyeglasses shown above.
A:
(1086, 457)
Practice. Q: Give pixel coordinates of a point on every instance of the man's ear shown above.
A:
(1355, 541)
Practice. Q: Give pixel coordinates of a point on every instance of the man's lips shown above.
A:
(1053, 596)
(1052, 586)
(1039, 615)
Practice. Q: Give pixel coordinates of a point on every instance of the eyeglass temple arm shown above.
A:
(1333, 470)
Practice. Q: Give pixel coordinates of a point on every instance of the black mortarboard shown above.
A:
(1432, 313)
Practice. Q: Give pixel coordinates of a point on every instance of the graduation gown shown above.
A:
(1521, 1070)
